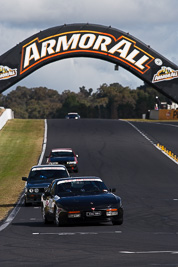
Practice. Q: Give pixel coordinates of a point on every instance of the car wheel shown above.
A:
(45, 220)
(27, 203)
(117, 222)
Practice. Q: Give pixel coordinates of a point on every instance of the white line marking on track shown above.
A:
(149, 252)
(11, 215)
(167, 124)
(17, 208)
(79, 233)
(44, 144)
(155, 145)
(146, 137)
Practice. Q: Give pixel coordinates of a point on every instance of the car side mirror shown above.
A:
(24, 178)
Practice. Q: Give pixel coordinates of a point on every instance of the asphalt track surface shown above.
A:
(124, 156)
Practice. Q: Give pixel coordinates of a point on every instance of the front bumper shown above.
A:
(32, 198)
(85, 217)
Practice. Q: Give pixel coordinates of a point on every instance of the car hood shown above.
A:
(104, 200)
(39, 183)
(62, 159)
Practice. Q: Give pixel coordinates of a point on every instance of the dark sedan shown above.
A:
(40, 177)
(64, 156)
(80, 199)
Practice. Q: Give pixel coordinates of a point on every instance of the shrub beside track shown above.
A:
(20, 148)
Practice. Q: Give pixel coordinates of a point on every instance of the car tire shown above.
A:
(117, 222)
(27, 204)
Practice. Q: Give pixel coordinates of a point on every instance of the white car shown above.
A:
(73, 115)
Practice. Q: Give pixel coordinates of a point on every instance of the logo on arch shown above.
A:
(7, 73)
(165, 74)
(85, 43)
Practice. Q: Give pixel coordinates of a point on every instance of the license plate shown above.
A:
(93, 213)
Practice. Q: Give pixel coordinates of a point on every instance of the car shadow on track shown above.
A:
(52, 225)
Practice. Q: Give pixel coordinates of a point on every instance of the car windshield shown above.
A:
(73, 116)
(62, 154)
(80, 188)
(47, 174)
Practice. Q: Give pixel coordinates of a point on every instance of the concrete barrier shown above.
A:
(8, 114)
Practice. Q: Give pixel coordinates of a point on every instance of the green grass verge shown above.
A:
(20, 149)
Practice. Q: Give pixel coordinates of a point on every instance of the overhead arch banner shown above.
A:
(89, 40)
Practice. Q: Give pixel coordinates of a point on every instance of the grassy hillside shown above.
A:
(20, 148)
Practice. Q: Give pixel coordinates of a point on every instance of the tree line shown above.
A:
(108, 102)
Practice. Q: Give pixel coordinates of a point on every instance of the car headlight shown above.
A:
(71, 162)
(31, 190)
(111, 212)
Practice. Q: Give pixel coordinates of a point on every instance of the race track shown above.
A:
(123, 154)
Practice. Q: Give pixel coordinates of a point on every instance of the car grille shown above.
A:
(41, 190)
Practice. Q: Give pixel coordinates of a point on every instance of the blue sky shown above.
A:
(152, 22)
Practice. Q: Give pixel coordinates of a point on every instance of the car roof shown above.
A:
(72, 113)
(81, 178)
(49, 167)
(61, 149)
